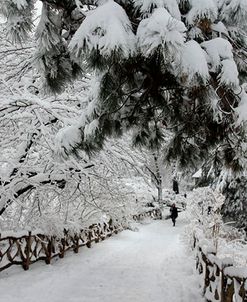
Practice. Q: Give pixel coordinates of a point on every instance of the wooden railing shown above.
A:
(221, 280)
(30, 248)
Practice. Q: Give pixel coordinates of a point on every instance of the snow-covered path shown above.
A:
(146, 266)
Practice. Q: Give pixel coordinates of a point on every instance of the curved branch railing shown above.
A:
(28, 249)
(221, 281)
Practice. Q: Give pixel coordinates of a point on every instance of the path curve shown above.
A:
(150, 265)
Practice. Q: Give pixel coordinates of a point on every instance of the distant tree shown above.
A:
(175, 186)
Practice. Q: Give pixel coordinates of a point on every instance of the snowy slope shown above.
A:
(146, 266)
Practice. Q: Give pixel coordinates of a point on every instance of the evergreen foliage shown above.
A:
(235, 205)
(177, 65)
(19, 15)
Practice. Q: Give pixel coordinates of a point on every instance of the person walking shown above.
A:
(174, 213)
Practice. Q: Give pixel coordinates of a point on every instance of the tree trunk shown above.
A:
(158, 177)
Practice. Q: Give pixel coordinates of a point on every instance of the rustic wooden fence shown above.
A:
(221, 280)
(30, 248)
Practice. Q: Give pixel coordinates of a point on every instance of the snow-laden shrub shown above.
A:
(170, 197)
(206, 224)
(204, 205)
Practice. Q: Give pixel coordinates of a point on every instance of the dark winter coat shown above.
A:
(174, 212)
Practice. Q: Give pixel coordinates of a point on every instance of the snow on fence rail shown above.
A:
(28, 249)
(221, 280)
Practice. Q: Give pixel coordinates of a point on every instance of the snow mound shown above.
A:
(229, 73)
(106, 29)
(146, 6)
(202, 9)
(67, 138)
(193, 62)
(217, 49)
(161, 30)
(220, 58)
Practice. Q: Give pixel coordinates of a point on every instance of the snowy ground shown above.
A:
(151, 265)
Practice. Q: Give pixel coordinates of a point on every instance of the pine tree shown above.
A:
(235, 205)
(174, 64)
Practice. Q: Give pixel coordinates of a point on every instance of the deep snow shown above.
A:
(150, 265)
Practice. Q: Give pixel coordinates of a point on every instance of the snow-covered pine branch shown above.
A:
(181, 64)
(36, 186)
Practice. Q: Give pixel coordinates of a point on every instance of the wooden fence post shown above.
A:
(97, 233)
(88, 244)
(62, 249)
(76, 244)
(217, 289)
(227, 294)
(49, 251)
(115, 229)
(207, 273)
(199, 266)
(27, 250)
(227, 289)
(194, 241)
(103, 232)
(243, 290)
